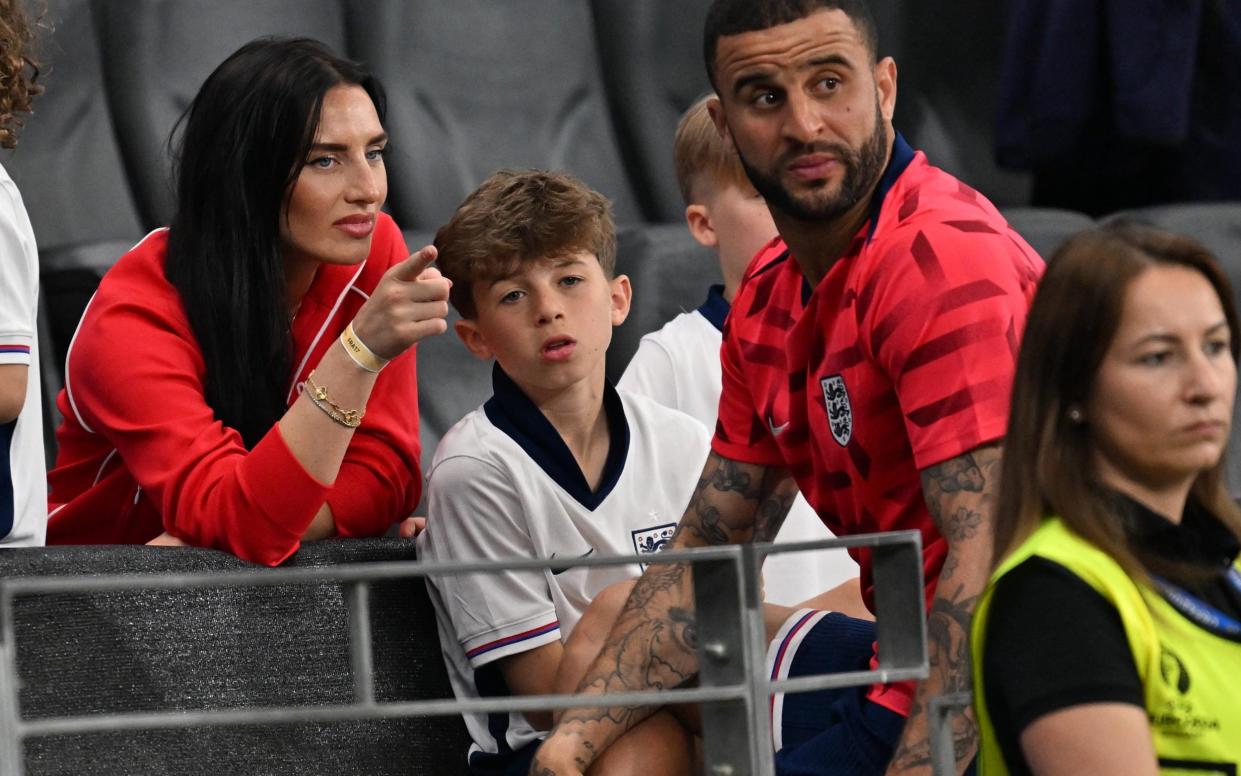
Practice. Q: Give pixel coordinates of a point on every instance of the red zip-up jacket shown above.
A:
(141, 452)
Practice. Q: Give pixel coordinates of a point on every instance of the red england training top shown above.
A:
(141, 452)
(901, 357)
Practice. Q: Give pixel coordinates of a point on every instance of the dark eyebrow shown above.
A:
(830, 59)
(827, 59)
(1173, 339)
(376, 140)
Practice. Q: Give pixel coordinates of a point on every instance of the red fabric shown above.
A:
(914, 331)
(142, 453)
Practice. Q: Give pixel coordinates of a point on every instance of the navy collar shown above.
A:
(902, 155)
(715, 309)
(511, 411)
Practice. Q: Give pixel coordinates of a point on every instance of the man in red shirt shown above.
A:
(867, 360)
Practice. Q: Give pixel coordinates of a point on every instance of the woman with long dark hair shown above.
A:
(1109, 640)
(244, 379)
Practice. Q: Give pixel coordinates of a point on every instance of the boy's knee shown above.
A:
(659, 746)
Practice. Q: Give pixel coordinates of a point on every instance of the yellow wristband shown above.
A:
(359, 352)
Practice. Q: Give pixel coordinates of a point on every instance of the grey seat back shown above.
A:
(651, 54)
(477, 85)
(670, 274)
(157, 53)
(1046, 229)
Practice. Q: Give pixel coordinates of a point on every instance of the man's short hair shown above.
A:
(733, 17)
(518, 216)
(701, 155)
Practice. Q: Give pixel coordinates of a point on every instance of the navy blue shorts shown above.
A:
(828, 732)
(514, 763)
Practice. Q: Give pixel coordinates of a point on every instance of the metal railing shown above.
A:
(733, 686)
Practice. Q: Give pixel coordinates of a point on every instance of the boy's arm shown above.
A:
(654, 641)
(534, 673)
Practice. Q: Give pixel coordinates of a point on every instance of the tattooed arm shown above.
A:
(960, 494)
(654, 643)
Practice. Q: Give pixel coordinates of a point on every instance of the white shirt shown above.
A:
(504, 485)
(23, 472)
(679, 366)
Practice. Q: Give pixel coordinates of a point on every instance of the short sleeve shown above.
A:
(1035, 659)
(652, 374)
(475, 513)
(740, 434)
(18, 282)
(944, 320)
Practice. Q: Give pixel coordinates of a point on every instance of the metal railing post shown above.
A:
(900, 616)
(728, 741)
(360, 655)
(943, 748)
(12, 761)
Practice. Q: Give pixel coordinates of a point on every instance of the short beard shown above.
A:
(863, 169)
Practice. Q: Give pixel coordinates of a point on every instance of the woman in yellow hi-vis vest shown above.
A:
(1109, 639)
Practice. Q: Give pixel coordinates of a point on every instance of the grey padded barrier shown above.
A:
(157, 53)
(67, 163)
(670, 273)
(218, 649)
(731, 650)
(477, 85)
(1046, 229)
(651, 53)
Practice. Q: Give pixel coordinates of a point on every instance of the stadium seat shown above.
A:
(651, 54)
(212, 649)
(156, 54)
(476, 85)
(670, 274)
(67, 162)
(1046, 229)
(948, 59)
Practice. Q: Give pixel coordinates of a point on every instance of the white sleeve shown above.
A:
(475, 513)
(18, 284)
(652, 373)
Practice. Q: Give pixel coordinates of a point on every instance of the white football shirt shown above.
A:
(503, 484)
(23, 472)
(679, 367)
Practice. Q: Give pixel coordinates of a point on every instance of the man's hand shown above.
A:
(654, 641)
(960, 494)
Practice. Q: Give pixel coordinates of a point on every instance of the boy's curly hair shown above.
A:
(18, 70)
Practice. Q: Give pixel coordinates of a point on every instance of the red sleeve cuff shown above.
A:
(281, 488)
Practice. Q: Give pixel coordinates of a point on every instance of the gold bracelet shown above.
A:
(318, 395)
(359, 352)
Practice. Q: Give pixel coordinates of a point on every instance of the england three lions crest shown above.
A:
(839, 411)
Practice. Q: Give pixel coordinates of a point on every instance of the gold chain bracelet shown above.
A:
(318, 394)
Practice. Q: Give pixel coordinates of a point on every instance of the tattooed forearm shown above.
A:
(960, 496)
(736, 502)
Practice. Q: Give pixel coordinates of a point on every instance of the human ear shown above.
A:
(698, 219)
(622, 295)
(474, 340)
(885, 85)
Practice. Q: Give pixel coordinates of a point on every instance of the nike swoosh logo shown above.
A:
(557, 570)
(777, 430)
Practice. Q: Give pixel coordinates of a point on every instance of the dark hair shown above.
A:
(18, 70)
(516, 216)
(1047, 468)
(245, 138)
(733, 17)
